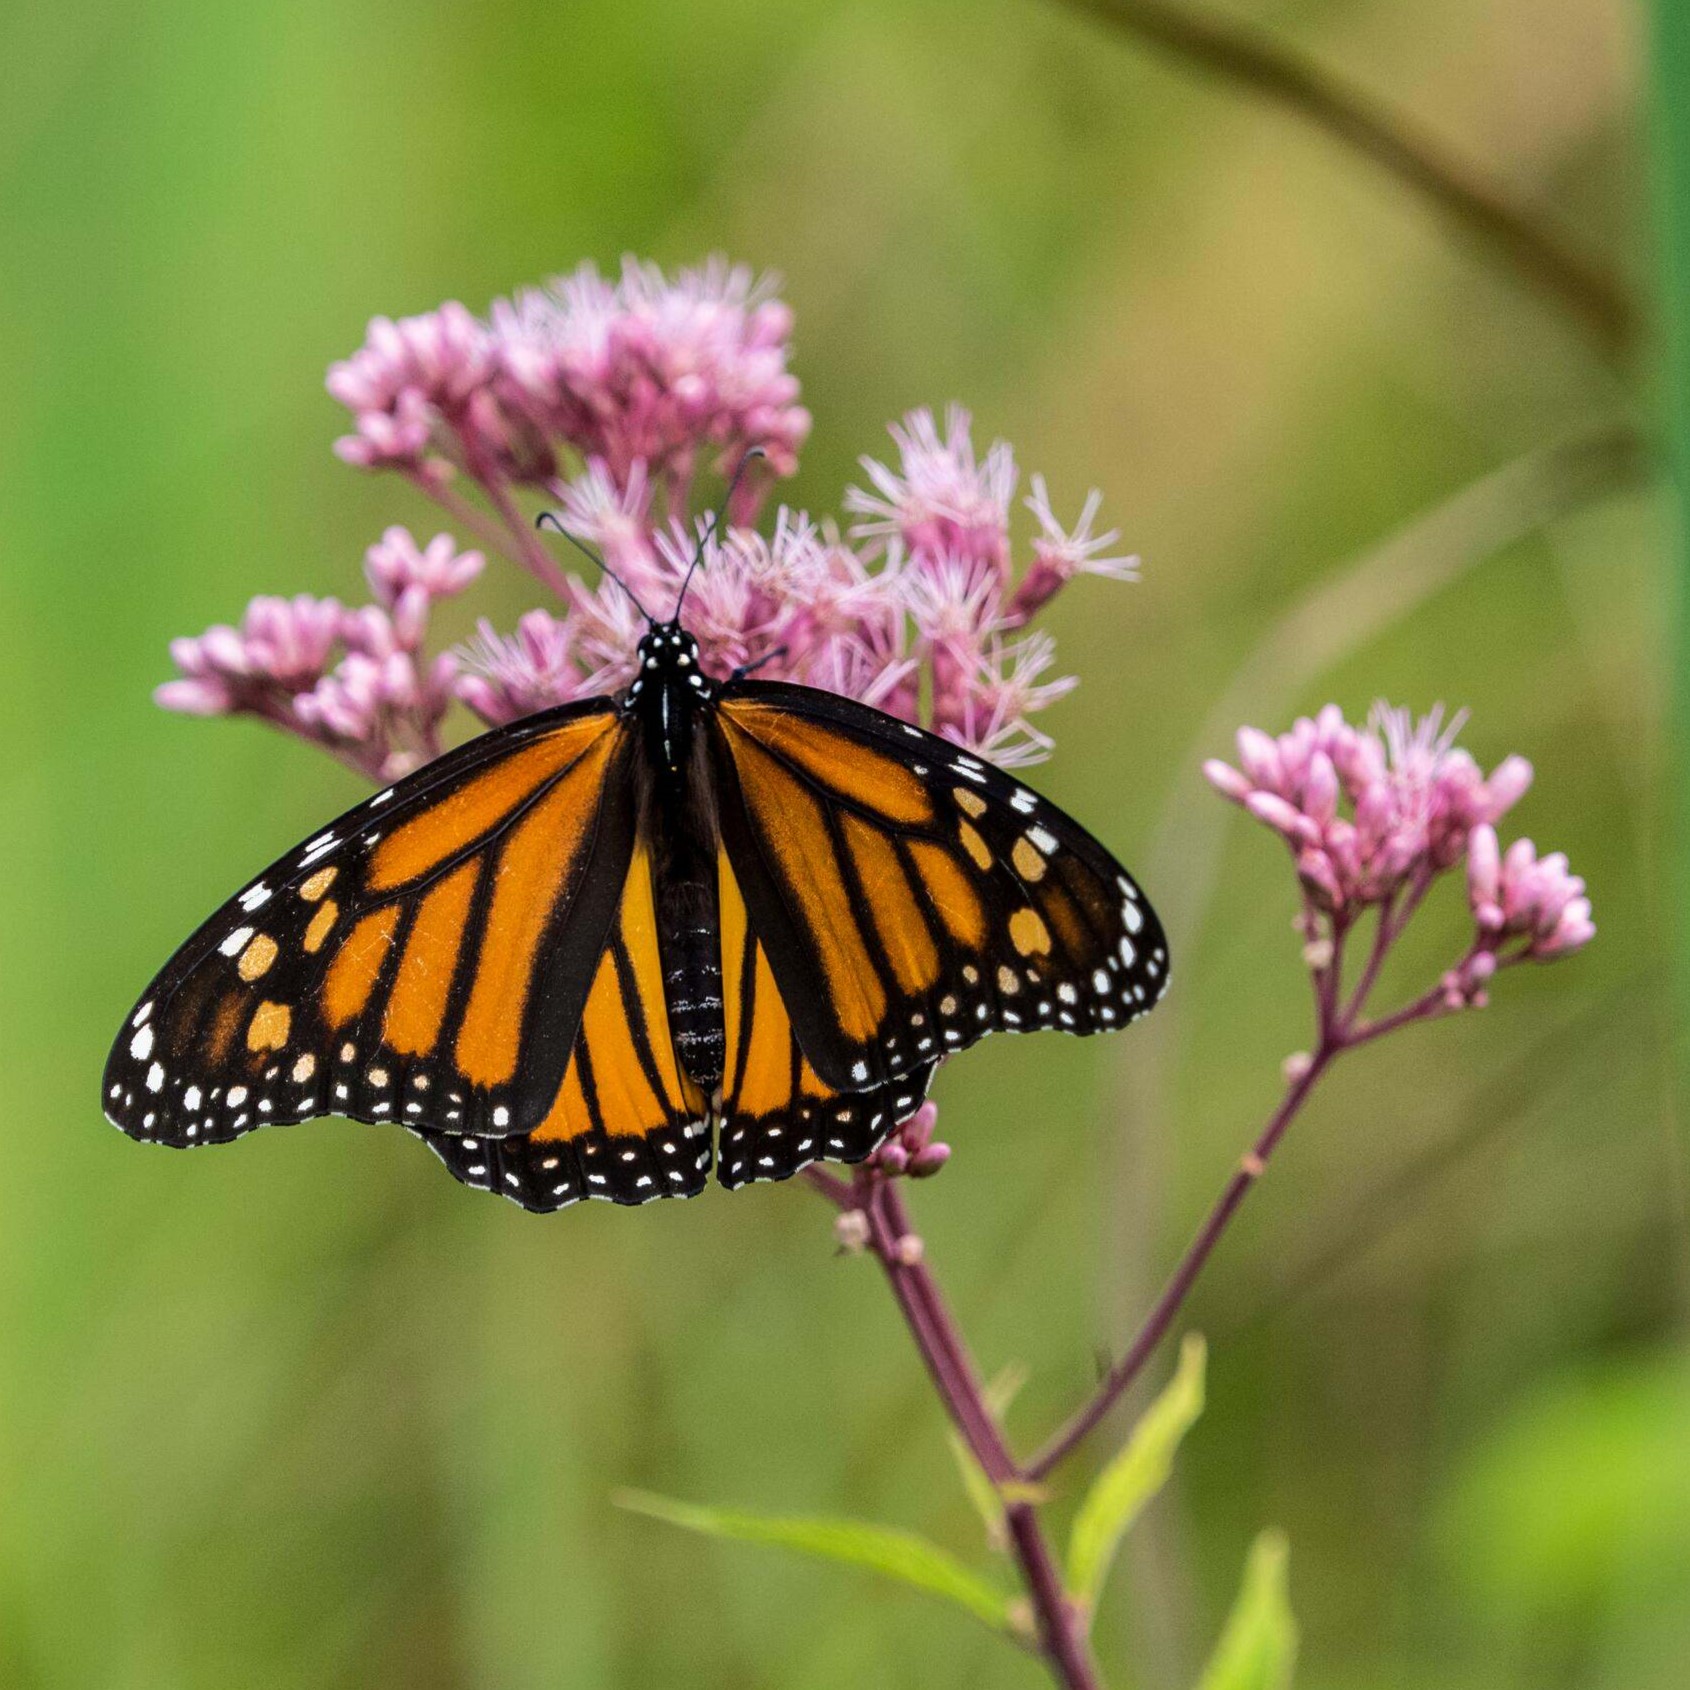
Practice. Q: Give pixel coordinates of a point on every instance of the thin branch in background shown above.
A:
(1466, 193)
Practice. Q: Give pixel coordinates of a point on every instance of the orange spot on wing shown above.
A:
(1062, 914)
(866, 776)
(975, 846)
(453, 823)
(639, 939)
(810, 1083)
(1028, 863)
(271, 1023)
(255, 960)
(352, 974)
(417, 1005)
(321, 922)
(311, 890)
(1028, 933)
(534, 866)
(628, 1106)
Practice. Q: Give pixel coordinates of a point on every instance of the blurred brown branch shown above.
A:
(1464, 191)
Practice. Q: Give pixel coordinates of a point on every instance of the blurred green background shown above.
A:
(306, 1413)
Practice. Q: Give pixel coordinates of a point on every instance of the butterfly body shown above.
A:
(572, 953)
(664, 699)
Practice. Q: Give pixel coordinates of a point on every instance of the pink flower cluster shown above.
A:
(1517, 894)
(640, 371)
(354, 681)
(603, 401)
(912, 1149)
(1412, 799)
(1374, 815)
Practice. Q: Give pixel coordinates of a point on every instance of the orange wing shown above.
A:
(910, 898)
(426, 959)
(777, 1115)
(625, 1123)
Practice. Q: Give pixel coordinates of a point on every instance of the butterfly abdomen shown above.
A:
(692, 985)
(689, 928)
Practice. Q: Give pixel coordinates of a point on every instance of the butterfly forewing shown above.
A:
(426, 959)
(911, 898)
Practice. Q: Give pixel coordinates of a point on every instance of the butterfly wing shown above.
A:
(626, 1123)
(426, 959)
(777, 1114)
(911, 898)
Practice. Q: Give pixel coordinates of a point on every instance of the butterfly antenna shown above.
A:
(717, 518)
(587, 551)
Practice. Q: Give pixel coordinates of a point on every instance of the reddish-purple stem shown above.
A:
(534, 557)
(875, 1197)
(1061, 1630)
(1250, 1169)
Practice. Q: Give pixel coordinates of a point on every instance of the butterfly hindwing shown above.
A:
(426, 959)
(777, 1114)
(912, 898)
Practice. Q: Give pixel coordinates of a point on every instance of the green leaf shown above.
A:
(1134, 1476)
(1258, 1645)
(886, 1549)
(987, 1499)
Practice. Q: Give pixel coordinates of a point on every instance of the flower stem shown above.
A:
(490, 534)
(1252, 1165)
(900, 1252)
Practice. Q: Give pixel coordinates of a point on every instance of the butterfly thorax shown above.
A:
(665, 698)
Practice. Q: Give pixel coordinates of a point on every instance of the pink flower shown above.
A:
(383, 712)
(1367, 810)
(991, 709)
(282, 647)
(1518, 894)
(941, 505)
(424, 386)
(610, 394)
(653, 371)
(615, 517)
(408, 580)
(1372, 817)
(1060, 554)
(1439, 788)
(912, 1148)
(532, 670)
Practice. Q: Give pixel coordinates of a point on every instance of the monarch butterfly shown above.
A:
(575, 951)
